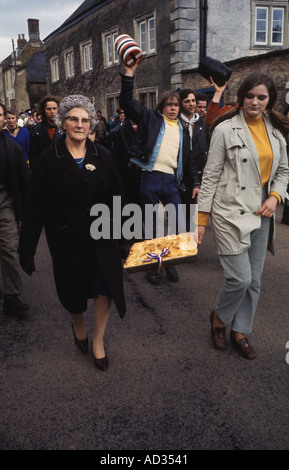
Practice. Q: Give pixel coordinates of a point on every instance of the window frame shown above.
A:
(142, 33)
(270, 7)
(86, 57)
(69, 53)
(283, 26)
(151, 94)
(111, 58)
(54, 69)
(258, 8)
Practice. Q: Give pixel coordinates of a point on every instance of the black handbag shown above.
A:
(219, 72)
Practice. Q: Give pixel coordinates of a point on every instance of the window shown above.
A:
(109, 53)
(148, 97)
(270, 23)
(261, 25)
(69, 63)
(277, 26)
(112, 104)
(54, 66)
(145, 33)
(86, 56)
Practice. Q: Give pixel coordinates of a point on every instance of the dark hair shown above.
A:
(4, 108)
(42, 104)
(201, 97)
(185, 93)
(11, 111)
(251, 81)
(165, 97)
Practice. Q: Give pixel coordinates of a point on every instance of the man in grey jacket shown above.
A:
(14, 177)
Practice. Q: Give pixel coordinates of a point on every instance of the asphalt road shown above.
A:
(166, 388)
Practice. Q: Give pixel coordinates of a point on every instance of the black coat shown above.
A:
(40, 141)
(149, 125)
(18, 175)
(60, 198)
(200, 143)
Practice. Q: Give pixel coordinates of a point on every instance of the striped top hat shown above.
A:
(127, 49)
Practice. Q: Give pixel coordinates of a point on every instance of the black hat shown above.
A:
(219, 72)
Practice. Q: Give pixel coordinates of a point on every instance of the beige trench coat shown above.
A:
(231, 188)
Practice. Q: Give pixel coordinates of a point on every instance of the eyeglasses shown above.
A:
(75, 120)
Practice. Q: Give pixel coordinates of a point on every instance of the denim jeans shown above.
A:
(238, 298)
(157, 187)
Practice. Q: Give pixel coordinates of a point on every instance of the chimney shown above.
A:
(33, 29)
(21, 41)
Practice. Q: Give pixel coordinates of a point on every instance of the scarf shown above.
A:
(190, 124)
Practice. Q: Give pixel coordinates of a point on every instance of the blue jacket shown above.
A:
(151, 125)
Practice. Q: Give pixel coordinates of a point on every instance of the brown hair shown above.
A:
(165, 97)
(278, 120)
(11, 111)
(42, 104)
(4, 108)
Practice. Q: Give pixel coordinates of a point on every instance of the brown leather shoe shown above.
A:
(218, 334)
(243, 347)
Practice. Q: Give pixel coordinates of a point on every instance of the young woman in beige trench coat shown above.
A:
(245, 178)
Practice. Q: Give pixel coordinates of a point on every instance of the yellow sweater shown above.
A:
(258, 131)
(167, 159)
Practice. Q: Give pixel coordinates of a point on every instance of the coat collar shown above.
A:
(241, 131)
(66, 162)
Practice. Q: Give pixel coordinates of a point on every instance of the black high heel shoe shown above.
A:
(82, 344)
(102, 363)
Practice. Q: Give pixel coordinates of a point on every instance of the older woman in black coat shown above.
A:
(69, 179)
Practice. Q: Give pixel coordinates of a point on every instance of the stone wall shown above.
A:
(154, 71)
(184, 30)
(274, 63)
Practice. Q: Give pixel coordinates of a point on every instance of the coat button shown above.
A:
(242, 212)
(243, 187)
(243, 146)
(245, 159)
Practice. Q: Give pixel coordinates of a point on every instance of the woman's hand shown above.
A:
(218, 89)
(269, 207)
(201, 233)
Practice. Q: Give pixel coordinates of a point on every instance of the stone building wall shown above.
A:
(184, 38)
(154, 71)
(274, 64)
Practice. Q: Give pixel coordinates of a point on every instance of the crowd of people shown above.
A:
(231, 160)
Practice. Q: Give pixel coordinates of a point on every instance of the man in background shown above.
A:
(201, 104)
(44, 134)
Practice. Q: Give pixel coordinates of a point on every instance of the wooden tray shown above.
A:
(181, 249)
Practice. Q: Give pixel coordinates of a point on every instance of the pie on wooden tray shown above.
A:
(172, 249)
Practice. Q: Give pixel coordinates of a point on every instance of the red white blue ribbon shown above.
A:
(158, 256)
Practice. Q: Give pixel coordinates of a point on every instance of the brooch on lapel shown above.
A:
(90, 167)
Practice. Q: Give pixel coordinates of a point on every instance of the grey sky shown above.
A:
(15, 13)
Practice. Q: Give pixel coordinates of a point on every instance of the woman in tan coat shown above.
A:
(245, 179)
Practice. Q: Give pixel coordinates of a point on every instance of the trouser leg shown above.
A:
(285, 215)
(240, 292)
(156, 188)
(8, 247)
